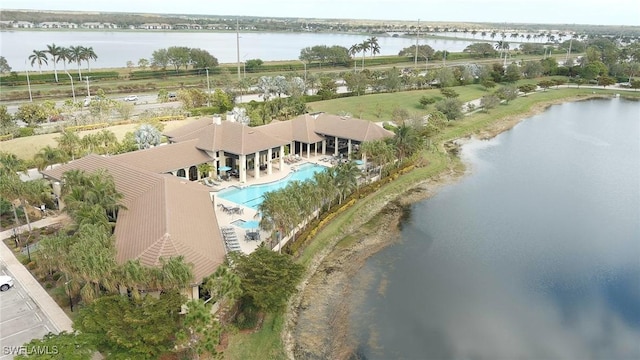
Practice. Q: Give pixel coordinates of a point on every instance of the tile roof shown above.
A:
(190, 130)
(165, 216)
(350, 128)
(165, 158)
(230, 136)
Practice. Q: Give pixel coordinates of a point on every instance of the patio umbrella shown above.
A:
(224, 168)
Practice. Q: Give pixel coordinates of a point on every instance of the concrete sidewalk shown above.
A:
(38, 294)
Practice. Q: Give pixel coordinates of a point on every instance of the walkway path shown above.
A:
(48, 306)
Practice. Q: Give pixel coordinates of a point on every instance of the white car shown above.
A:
(6, 282)
(131, 98)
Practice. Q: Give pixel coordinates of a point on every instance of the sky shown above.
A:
(594, 12)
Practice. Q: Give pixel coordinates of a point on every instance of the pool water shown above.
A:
(252, 224)
(251, 196)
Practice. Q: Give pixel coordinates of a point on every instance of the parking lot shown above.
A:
(20, 319)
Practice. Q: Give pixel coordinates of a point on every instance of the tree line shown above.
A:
(72, 54)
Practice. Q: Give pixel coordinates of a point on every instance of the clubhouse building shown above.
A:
(169, 213)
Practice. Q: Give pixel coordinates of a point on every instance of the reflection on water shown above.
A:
(534, 255)
(115, 48)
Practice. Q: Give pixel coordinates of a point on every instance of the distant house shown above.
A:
(98, 25)
(187, 27)
(22, 25)
(57, 25)
(155, 26)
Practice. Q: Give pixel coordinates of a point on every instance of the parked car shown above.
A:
(131, 98)
(6, 282)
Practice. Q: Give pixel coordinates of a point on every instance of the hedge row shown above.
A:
(308, 235)
(314, 98)
(15, 79)
(168, 118)
(161, 74)
(6, 137)
(87, 127)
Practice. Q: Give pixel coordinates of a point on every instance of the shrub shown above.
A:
(26, 131)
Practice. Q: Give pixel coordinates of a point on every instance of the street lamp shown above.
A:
(208, 89)
(69, 292)
(305, 70)
(28, 82)
(415, 60)
(73, 91)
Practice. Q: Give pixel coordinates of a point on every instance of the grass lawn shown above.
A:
(244, 345)
(26, 147)
(262, 344)
(379, 107)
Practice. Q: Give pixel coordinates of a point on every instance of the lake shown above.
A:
(533, 255)
(115, 48)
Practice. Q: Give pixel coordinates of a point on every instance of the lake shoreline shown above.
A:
(326, 287)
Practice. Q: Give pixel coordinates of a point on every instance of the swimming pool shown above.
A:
(245, 224)
(251, 196)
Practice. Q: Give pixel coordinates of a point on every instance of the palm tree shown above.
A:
(54, 51)
(374, 46)
(64, 56)
(483, 34)
(346, 179)
(69, 143)
(406, 141)
(89, 54)
(97, 188)
(10, 164)
(353, 50)
(89, 143)
(48, 156)
(274, 212)
(92, 261)
(223, 285)
(493, 35)
(325, 187)
(502, 46)
(107, 141)
(205, 170)
(39, 56)
(365, 46)
(76, 54)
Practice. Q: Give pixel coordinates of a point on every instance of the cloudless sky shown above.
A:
(596, 12)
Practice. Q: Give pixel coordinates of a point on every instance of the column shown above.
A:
(269, 166)
(349, 148)
(335, 151)
(308, 151)
(243, 168)
(222, 161)
(281, 157)
(324, 146)
(256, 164)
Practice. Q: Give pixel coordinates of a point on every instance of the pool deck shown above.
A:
(249, 214)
